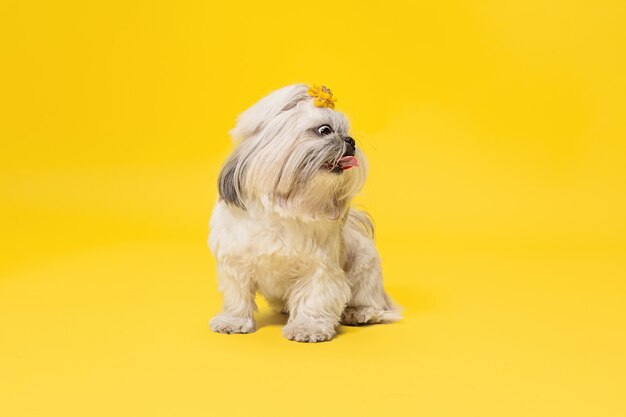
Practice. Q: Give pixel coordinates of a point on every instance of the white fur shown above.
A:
(283, 226)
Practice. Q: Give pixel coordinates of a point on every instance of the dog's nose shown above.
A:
(350, 146)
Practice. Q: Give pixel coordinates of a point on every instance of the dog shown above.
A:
(283, 225)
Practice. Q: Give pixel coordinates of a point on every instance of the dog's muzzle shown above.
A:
(347, 160)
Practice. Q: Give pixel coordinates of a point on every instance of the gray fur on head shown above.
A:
(230, 182)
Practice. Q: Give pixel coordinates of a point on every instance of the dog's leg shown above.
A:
(369, 302)
(237, 314)
(315, 305)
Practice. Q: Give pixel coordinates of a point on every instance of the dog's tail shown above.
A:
(362, 221)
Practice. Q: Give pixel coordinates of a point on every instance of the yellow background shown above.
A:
(496, 135)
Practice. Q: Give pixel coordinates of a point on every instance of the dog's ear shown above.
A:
(251, 120)
(230, 181)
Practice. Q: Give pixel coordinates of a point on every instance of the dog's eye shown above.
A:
(324, 130)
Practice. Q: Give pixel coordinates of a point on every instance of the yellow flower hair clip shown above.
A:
(323, 96)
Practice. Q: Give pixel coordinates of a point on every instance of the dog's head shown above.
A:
(294, 157)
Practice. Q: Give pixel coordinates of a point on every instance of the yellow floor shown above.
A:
(495, 132)
(122, 330)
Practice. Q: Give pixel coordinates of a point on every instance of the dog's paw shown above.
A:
(307, 332)
(354, 316)
(230, 324)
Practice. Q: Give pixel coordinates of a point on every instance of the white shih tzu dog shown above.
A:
(283, 225)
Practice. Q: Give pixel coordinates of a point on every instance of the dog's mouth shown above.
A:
(342, 164)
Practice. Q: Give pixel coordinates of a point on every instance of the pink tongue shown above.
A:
(348, 162)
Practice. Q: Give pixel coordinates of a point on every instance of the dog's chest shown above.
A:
(292, 242)
(280, 253)
(272, 245)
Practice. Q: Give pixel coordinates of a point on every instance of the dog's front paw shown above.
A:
(307, 332)
(230, 324)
